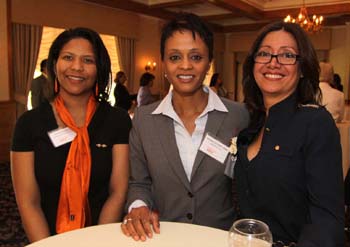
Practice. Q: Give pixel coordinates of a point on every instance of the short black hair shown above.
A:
(146, 78)
(103, 62)
(192, 23)
(43, 65)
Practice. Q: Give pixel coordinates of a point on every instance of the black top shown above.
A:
(108, 126)
(295, 182)
(122, 97)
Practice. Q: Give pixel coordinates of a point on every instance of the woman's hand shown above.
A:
(139, 222)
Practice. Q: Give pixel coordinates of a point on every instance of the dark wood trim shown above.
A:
(9, 49)
(174, 4)
(7, 124)
(241, 8)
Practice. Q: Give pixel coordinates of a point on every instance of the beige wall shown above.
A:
(147, 49)
(336, 54)
(73, 13)
(4, 63)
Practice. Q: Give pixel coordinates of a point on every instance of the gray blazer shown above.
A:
(158, 177)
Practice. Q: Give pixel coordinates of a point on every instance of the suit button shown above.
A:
(189, 216)
(247, 192)
(190, 195)
(267, 129)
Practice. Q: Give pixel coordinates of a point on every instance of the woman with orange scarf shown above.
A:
(69, 157)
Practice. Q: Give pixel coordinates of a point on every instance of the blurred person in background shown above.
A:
(337, 82)
(217, 86)
(332, 98)
(144, 95)
(121, 93)
(41, 88)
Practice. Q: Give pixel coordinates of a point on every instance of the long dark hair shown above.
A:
(103, 62)
(307, 91)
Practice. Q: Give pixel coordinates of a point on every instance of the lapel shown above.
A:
(165, 131)
(214, 122)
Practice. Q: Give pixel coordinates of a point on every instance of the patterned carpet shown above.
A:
(11, 231)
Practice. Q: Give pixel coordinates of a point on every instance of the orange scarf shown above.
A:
(73, 207)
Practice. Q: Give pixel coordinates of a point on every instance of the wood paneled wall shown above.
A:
(7, 123)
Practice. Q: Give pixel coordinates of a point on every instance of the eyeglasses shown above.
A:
(286, 58)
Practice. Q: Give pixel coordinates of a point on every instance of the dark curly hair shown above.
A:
(103, 62)
(307, 91)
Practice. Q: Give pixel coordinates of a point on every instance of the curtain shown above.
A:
(126, 56)
(26, 40)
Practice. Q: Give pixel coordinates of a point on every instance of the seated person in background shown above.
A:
(289, 166)
(41, 88)
(169, 174)
(62, 184)
(144, 95)
(121, 94)
(217, 86)
(332, 98)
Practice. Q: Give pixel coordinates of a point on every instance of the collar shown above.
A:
(279, 114)
(282, 111)
(214, 103)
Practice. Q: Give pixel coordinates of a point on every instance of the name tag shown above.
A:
(62, 136)
(214, 148)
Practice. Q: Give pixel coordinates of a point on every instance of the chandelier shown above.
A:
(310, 25)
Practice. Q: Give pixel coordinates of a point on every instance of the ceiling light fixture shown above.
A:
(310, 25)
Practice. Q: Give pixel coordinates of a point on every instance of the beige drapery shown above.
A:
(126, 55)
(26, 40)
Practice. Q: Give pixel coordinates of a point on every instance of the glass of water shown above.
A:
(249, 233)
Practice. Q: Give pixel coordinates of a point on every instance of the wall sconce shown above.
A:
(150, 66)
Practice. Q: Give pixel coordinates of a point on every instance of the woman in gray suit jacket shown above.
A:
(171, 178)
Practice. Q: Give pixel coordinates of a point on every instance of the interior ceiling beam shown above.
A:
(134, 7)
(239, 7)
(333, 9)
(180, 3)
(244, 27)
(218, 17)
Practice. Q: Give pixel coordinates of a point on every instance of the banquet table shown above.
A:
(110, 235)
(344, 131)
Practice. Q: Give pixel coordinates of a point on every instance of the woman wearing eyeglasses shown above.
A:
(289, 168)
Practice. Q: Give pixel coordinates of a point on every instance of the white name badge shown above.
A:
(62, 136)
(214, 148)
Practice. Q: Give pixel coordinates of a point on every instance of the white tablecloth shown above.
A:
(110, 235)
(344, 130)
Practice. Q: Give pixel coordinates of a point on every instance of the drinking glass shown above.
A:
(249, 233)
